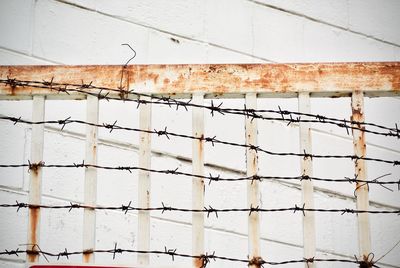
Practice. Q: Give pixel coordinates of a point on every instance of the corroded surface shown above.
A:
(322, 79)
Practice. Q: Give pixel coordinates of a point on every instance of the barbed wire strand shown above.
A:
(207, 210)
(210, 210)
(172, 252)
(253, 113)
(212, 140)
(211, 178)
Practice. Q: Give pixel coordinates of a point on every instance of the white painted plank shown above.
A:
(144, 186)
(307, 188)
(253, 191)
(198, 185)
(90, 195)
(35, 182)
(364, 235)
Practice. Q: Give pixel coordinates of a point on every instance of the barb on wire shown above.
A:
(35, 166)
(283, 115)
(257, 261)
(209, 210)
(171, 252)
(215, 108)
(162, 132)
(83, 85)
(363, 183)
(366, 262)
(34, 251)
(309, 260)
(205, 258)
(212, 140)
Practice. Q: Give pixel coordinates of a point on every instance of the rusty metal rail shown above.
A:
(165, 85)
(271, 80)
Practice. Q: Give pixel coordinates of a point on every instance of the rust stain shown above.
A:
(155, 78)
(255, 162)
(220, 89)
(94, 150)
(13, 90)
(177, 85)
(359, 145)
(35, 168)
(201, 146)
(357, 114)
(34, 214)
(144, 74)
(198, 262)
(87, 256)
(166, 81)
(256, 262)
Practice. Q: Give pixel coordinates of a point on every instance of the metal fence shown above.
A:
(149, 85)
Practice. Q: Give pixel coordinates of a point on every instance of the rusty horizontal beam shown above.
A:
(213, 80)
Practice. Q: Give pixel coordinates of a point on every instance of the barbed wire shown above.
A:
(213, 140)
(283, 115)
(206, 258)
(124, 95)
(206, 210)
(211, 178)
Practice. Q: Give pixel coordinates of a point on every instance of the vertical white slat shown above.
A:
(307, 189)
(35, 182)
(253, 191)
(90, 190)
(364, 236)
(198, 184)
(144, 186)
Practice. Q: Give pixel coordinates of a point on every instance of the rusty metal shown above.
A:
(33, 239)
(278, 80)
(35, 182)
(307, 189)
(90, 184)
(361, 191)
(144, 183)
(253, 188)
(198, 184)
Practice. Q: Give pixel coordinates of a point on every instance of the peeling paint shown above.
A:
(327, 79)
